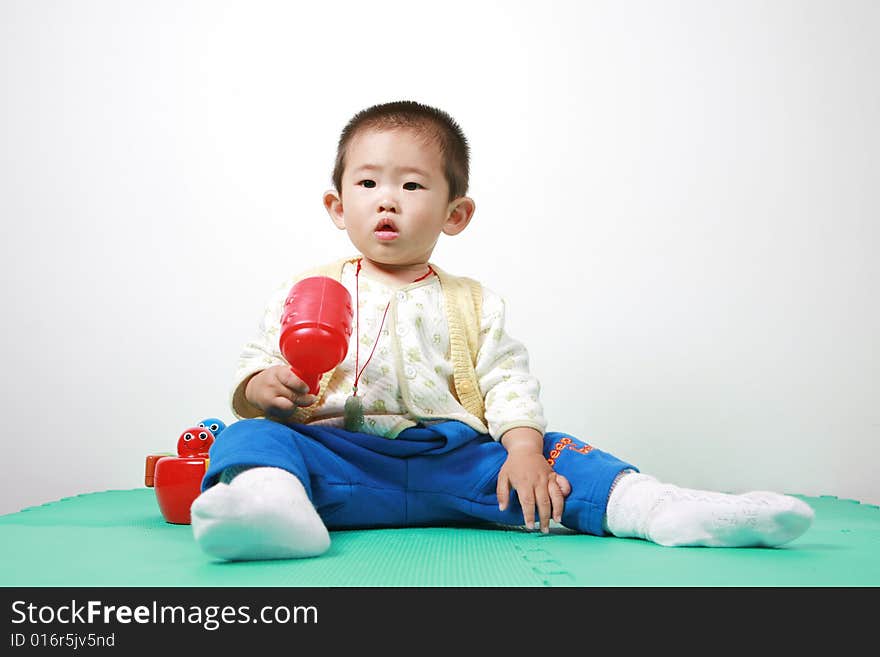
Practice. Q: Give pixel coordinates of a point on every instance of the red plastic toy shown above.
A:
(177, 479)
(315, 328)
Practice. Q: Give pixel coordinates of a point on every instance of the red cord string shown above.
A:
(357, 375)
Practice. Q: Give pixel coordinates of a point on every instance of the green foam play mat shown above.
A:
(119, 538)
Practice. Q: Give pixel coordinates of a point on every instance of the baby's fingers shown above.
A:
(527, 502)
(280, 407)
(544, 502)
(290, 380)
(502, 491)
(557, 496)
(564, 486)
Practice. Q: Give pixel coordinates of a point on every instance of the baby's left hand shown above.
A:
(535, 483)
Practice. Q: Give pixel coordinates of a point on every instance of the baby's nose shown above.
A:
(387, 205)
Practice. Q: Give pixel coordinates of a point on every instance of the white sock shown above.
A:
(640, 506)
(263, 513)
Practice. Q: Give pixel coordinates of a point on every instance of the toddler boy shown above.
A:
(433, 417)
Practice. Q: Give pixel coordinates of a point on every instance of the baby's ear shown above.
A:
(333, 205)
(460, 212)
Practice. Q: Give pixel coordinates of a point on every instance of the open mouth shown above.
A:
(385, 229)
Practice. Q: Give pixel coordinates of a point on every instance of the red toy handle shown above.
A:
(315, 328)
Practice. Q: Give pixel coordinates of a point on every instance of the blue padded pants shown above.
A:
(441, 474)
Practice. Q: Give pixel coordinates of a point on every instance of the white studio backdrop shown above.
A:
(677, 199)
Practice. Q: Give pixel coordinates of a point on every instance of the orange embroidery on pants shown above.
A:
(566, 443)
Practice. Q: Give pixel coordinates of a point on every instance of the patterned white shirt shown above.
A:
(408, 380)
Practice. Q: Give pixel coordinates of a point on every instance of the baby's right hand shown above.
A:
(278, 392)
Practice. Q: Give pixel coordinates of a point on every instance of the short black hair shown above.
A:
(433, 123)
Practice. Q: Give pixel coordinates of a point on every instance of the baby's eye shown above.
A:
(369, 184)
(412, 186)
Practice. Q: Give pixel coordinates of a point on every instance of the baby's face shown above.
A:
(395, 197)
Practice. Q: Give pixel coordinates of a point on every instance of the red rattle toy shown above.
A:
(315, 328)
(178, 479)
